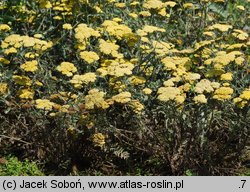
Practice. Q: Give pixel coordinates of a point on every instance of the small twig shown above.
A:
(16, 139)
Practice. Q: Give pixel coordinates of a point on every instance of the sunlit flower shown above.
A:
(223, 93)
(136, 80)
(147, 91)
(44, 104)
(108, 48)
(227, 76)
(38, 36)
(10, 50)
(67, 26)
(239, 60)
(240, 7)
(221, 27)
(4, 61)
(95, 98)
(89, 56)
(79, 80)
(200, 98)
(136, 105)
(67, 68)
(170, 3)
(98, 139)
(123, 97)
(4, 27)
(26, 93)
(153, 4)
(3, 88)
(167, 93)
(204, 86)
(30, 66)
(245, 95)
(145, 13)
(188, 5)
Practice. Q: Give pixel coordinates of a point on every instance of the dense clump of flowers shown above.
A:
(67, 68)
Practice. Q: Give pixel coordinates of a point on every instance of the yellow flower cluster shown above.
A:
(83, 33)
(147, 91)
(26, 93)
(4, 61)
(117, 68)
(239, 34)
(3, 88)
(220, 27)
(223, 93)
(109, 48)
(153, 4)
(119, 31)
(67, 68)
(124, 56)
(136, 105)
(15, 41)
(123, 97)
(67, 26)
(227, 76)
(95, 98)
(89, 56)
(22, 80)
(30, 66)
(44, 104)
(200, 98)
(147, 29)
(4, 28)
(243, 99)
(98, 139)
(168, 93)
(137, 80)
(79, 80)
(205, 85)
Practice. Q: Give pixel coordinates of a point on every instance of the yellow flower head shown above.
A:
(245, 95)
(108, 48)
(95, 98)
(136, 80)
(200, 98)
(204, 86)
(223, 93)
(30, 66)
(4, 27)
(44, 104)
(22, 80)
(83, 33)
(10, 50)
(79, 80)
(4, 61)
(153, 4)
(188, 5)
(117, 30)
(136, 106)
(168, 93)
(227, 76)
(123, 97)
(3, 88)
(89, 56)
(221, 27)
(98, 139)
(67, 26)
(26, 93)
(147, 91)
(190, 77)
(67, 68)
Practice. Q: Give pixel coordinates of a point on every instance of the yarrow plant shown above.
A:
(145, 81)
